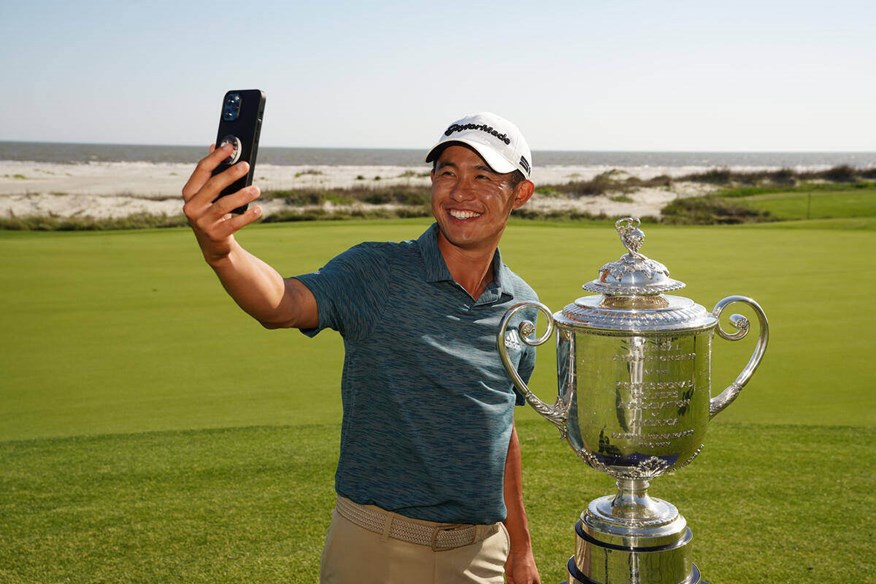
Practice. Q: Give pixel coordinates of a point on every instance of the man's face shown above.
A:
(470, 201)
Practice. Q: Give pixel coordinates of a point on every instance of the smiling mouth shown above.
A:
(460, 214)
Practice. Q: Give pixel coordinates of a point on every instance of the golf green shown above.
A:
(150, 431)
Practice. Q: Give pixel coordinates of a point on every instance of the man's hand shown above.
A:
(213, 223)
(520, 567)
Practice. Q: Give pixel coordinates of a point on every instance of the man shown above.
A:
(428, 480)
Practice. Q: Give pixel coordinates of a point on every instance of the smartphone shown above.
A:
(240, 125)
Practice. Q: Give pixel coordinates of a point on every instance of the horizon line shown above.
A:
(623, 151)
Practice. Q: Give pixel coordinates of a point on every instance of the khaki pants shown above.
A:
(353, 554)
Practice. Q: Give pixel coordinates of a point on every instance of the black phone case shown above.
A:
(246, 126)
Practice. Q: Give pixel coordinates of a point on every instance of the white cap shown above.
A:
(498, 141)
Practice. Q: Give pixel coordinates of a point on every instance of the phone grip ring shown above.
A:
(238, 149)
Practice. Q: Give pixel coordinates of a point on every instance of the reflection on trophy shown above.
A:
(634, 376)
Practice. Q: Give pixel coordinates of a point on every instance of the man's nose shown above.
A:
(462, 190)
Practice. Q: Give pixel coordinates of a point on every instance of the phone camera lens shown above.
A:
(231, 109)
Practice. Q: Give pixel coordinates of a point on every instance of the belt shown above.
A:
(438, 536)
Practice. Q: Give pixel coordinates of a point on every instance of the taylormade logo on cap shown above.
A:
(498, 141)
(481, 127)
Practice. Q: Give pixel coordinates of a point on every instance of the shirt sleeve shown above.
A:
(526, 367)
(351, 291)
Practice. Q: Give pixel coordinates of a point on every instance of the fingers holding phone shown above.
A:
(237, 145)
(203, 172)
(208, 184)
(219, 191)
(240, 127)
(211, 217)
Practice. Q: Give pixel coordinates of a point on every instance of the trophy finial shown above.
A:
(633, 274)
(631, 236)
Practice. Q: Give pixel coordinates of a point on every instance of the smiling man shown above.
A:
(428, 480)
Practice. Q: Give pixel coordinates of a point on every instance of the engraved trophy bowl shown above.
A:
(634, 401)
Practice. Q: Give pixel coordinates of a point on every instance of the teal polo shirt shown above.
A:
(427, 404)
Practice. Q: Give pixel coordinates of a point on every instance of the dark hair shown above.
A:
(515, 179)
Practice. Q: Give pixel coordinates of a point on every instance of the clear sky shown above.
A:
(729, 75)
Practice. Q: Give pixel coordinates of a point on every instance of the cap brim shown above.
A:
(493, 160)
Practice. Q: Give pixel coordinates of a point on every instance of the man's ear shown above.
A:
(523, 192)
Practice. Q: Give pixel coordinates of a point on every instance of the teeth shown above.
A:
(457, 214)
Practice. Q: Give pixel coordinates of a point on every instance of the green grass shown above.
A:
(808, 201)
(151, 432)
(252, 504)
(236, 505)
(816, 204)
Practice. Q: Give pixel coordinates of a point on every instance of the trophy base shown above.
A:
(632, 538)
(576, 577)
(597, 561)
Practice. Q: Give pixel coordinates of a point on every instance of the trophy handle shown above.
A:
(726, 397)
(557, 413)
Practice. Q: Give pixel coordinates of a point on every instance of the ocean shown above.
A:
(67, 153)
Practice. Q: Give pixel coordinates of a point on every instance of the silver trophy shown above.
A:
(634, 380)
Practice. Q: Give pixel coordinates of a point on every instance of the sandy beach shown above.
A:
(120, 189)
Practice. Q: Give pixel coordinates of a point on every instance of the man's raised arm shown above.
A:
(256, 287)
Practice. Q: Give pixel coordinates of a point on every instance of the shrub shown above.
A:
(548, 191)
(87, 223)
(842, 174)
(399, 196)
(304, 198)
(711, 210)
(715, 176)
(784, 176)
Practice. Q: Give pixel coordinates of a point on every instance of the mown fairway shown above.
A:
(814, 201)
(149, 431)
(817, 205)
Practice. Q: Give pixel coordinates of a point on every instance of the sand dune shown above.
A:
(119, 189)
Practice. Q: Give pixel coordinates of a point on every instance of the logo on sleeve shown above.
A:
(512, 340)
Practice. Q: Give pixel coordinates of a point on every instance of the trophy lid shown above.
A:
(633, 274)
(632, 295)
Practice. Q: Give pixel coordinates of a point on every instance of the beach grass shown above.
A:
(149, 431)
(741, 197)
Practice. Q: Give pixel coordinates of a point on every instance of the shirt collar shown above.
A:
(436, 268)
